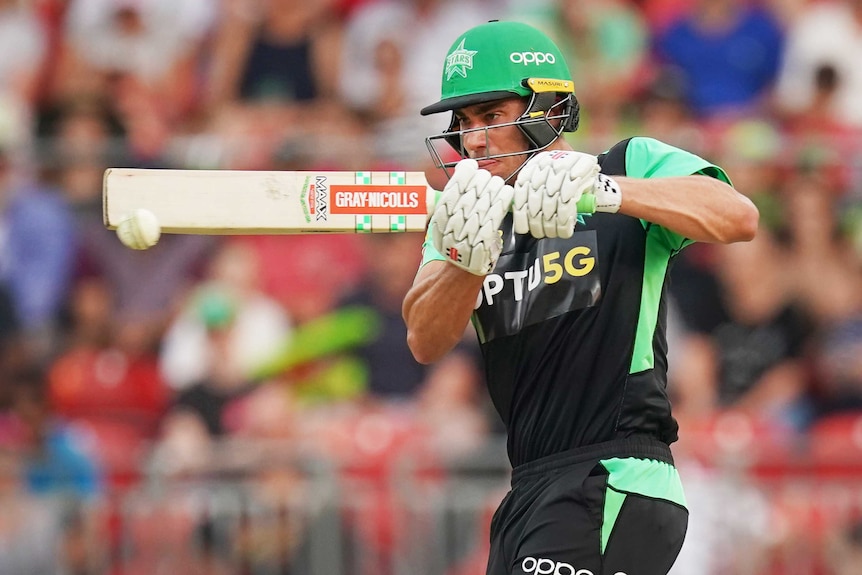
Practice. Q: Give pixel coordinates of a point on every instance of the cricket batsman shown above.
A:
(569, 307)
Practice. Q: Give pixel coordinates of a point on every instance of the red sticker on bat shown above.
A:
(371, 199)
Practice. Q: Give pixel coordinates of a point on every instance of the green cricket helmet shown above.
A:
(499, 60)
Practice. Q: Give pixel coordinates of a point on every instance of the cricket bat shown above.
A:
(273, 202)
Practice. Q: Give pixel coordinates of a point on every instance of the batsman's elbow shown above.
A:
(427, 350)
(746, 222)
(422, 353)
(735, 220)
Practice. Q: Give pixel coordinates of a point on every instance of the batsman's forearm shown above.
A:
(437, 309)
(700, 208)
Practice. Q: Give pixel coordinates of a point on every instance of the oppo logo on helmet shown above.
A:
(527, 58)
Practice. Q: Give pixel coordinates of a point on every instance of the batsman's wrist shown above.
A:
(608, 195)
(587, 204)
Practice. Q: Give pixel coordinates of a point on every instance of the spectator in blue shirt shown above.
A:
(729, 53)
(36, 252)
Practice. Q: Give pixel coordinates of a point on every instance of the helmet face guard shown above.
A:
(546, 117)
(500, 60)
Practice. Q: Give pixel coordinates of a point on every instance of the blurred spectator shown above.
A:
(30, 527)
(728, 51)
(275, 51)
(606, 46)
(822, 140)
(222, 379)
(79, 138)
(231, 293)
(86, 139)
(819, 62)
(106, 380)
(390, 262)
(23, 51)
(664, 113)
(215, 405)
(145, 286)
(148, 127)
(818, 117)
(36, 254)
(388, 47)
(157, 42)
(273, 79)
(828, 282)
(839, 367)
(826, 271)
(59, 460)
(729, 525)
(845, 550)
(752, 359)
(754, 153)
(438, 392)
(212, 353)
(453, 405)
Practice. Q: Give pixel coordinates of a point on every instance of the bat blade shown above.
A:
(269, 202)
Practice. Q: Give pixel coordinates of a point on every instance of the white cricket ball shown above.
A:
(139, 229)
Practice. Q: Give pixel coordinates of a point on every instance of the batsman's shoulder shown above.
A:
(647, 157)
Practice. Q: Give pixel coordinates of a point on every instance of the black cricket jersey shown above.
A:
(572, 331)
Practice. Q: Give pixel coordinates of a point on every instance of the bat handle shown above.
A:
(586, 205)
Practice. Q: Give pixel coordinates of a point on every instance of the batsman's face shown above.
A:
(490, 135)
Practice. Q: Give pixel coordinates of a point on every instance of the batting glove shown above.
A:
(549, 188)
(465, 225)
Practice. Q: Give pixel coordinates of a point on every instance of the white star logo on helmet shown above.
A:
(459, 61)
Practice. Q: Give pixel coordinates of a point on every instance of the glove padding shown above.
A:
(547, 192)
(465, 225)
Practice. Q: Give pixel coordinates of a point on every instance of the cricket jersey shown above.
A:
(572, 331)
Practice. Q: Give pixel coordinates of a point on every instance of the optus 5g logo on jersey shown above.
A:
(527, 58)
(548, 269)
(540, 566)
(535, 281)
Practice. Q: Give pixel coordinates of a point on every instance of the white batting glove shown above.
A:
(465, 225)
(609, 197)
(549, 187)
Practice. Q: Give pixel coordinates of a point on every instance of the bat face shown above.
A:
(269, 202)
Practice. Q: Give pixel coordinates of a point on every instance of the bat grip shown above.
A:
(586, 205)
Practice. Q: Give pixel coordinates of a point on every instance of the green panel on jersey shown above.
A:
(656, 262)
(646, 477)
(650, 158)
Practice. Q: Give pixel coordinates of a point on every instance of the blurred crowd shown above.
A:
(113, 361)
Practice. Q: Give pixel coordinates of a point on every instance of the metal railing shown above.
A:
(266, 509)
